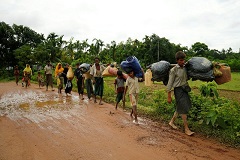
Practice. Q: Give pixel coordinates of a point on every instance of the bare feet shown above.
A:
(81, 97)
(172, 125)
(100, 103)
(135, 122)
(189, 133)
(131, 116)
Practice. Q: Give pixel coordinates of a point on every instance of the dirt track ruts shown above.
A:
(41, 125)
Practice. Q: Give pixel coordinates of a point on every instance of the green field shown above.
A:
(233, 85)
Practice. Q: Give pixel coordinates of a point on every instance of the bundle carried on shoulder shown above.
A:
(132, 64)
(200, 68)
(70, 74)
(160, 71)
(110, 71)
(85, 67)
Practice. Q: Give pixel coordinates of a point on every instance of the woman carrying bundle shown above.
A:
(58, 74)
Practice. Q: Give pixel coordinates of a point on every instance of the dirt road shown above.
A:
(41, 125)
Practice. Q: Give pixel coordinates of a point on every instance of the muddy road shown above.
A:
(41, 125)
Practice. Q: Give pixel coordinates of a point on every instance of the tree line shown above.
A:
(20, 45)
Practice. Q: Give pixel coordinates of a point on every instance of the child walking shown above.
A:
(132, 84)
(119, 88)
(178, 80)
(40, 80)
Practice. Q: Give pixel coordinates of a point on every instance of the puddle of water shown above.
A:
(24, 106)
(38, 107)
(45, 103)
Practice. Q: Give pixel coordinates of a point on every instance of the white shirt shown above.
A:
(132, 84)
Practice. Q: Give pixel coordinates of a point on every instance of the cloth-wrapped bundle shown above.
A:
(70, 74)
(200, 68)
(110, 71)
(160, 71)
(85, 67)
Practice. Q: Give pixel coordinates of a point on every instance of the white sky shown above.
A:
(213, 22)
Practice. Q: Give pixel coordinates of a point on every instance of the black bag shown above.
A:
(160, 71)
(186, 88)
(200, 68)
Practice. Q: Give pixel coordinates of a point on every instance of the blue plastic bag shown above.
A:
(132, 64)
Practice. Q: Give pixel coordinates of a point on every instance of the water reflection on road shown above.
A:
(37, 106)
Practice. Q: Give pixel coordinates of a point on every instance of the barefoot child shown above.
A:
(40, 80)
(178, 80)
(132, 84)
(119, 88)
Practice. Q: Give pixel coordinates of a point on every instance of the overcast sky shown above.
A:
(213, 22)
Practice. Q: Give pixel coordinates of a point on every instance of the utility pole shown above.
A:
(158, 50)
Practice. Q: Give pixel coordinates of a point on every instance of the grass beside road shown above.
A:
(233, 85)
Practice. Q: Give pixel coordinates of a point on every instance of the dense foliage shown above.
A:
(20, 45)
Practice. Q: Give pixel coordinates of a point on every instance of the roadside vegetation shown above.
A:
(210, 115)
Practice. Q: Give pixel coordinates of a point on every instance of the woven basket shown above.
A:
(226, 75)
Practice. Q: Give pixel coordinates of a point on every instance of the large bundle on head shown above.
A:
(84, 67)
(160, 71)
(200, 68)
(132, 64)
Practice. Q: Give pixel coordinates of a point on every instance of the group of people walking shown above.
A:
(94, 77)
(178, 81)
(95, 85)
(27, 73)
